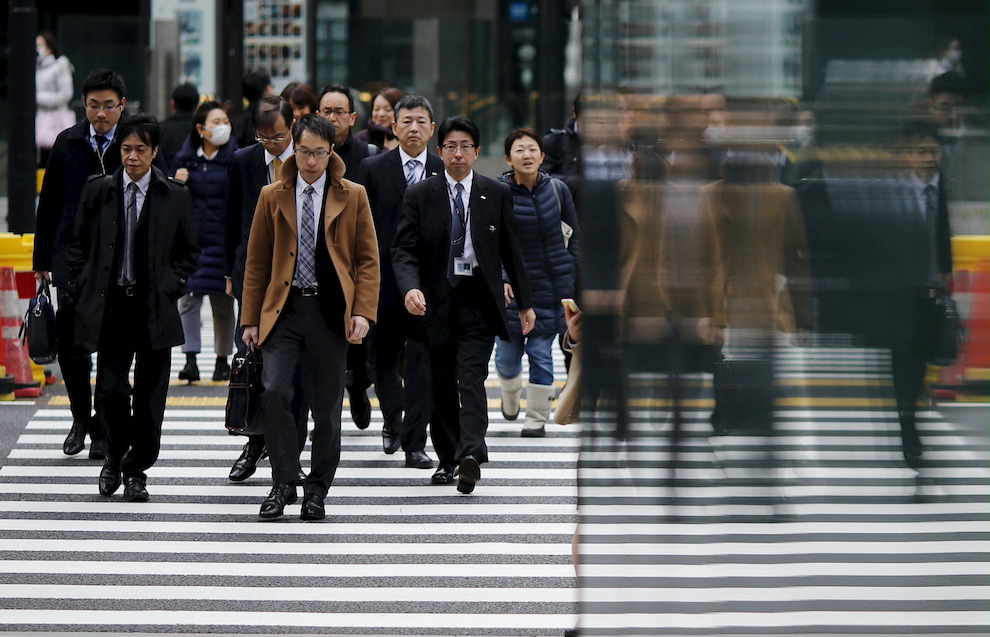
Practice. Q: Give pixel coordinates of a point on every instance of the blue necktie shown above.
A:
(457, 233)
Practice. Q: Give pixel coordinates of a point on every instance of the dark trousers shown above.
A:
(76, 367)
(389, 349)
(303, 328)
(459, 365)
(909, 360)
(302, 389)
(131, 419)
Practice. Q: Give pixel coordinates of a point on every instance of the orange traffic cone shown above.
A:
(15, 355)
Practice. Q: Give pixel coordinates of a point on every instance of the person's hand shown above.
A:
(415, 302)
(250, 336)
(573, 324)
(527, 318)
(507, 293)
(801, 338)
(228, 287)
(40, 275)
(181, 174)
(358, 329)
(709, 333)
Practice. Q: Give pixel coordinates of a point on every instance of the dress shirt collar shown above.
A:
(920, 184)
(110, 134)
(317, 185)
(269, 158)
(142, 183)
(466, 182)
(404, 157)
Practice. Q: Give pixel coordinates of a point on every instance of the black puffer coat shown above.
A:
(550, 265)
(208, 185)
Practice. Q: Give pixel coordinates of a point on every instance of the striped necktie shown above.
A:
(306, 270)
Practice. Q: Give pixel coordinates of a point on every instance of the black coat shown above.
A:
(247, 175)
(563, 156)
(384, 178)
(353, 152)
(422, 245)
(175, 131)
(70, 164)
(172, 254)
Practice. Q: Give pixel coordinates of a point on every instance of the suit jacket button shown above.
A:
(111, 246)
(286, 282)
(106, 268)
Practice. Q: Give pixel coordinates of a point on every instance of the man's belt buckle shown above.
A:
(130, 290)
(309, 290)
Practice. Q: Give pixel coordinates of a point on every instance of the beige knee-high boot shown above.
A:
(511, 388)
(538, 399)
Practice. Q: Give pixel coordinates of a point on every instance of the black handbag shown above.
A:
(949, 332)
(244, 390)
(38, 328)
(744, 396)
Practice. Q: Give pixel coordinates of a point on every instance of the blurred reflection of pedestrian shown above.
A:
(948, 57)
(175, 129)
(931, 278)
(53, 90)
(541, 204)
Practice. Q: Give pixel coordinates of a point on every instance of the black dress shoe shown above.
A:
(312, 507)
(391, 440)
(190, 372)
(418, 460)
(221, 371)
(443, 475)
(98, 449)
(468, 474)
(76, 439)
(360, 407)
(912, 448)
(134, 489)
(278, 497)
(109, 477)
(245, 466)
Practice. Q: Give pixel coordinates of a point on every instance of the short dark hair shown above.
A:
(303, 95)
(519, 133)
(338, 88)
(254, 85)
(917, 129)
(199, 117)
(458, 123)
(319, 126)
(185, 96)
(143, 125)
(948, 82)
(412, 101)
(267, 110)
(103, 80)
(391, 94)
(51, 43)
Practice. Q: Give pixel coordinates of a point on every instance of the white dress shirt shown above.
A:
(467, 182)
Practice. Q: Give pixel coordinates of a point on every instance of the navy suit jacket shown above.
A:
(421, 249)
(247, 175)
(385, 180)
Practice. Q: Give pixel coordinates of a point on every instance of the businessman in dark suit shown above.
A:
(397, 333)
(252, 169)
(455, 235)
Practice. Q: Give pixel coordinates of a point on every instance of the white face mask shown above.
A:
(220, 134)
(954, 55)
(42, 52)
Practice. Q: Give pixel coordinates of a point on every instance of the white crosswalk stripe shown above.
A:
(846, 539)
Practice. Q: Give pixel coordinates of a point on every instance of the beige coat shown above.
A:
(764, 254)
(350, 238)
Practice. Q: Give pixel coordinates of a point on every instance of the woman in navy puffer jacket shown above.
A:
(202, 164)
(547, 227)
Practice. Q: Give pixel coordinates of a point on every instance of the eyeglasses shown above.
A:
(319, 154)
(453, 148)
(96, 108)
(339, 112)
(278, 139)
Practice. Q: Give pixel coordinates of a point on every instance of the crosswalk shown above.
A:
(820, 528)
(838, 537)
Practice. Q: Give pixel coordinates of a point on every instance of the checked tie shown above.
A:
(457, 232)
(306, 269)
(412, 171)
